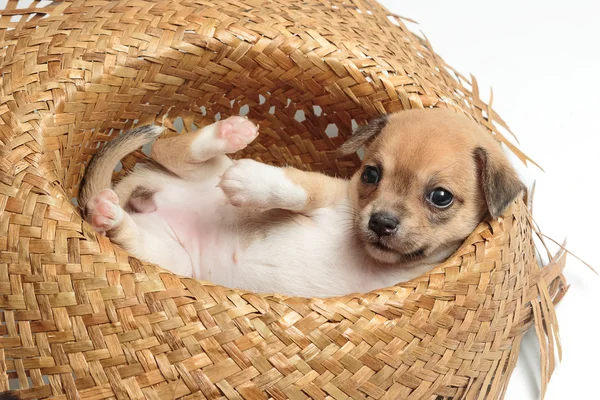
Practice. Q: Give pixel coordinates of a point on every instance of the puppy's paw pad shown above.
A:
(247, 184)
(237, 132)
(104, 212)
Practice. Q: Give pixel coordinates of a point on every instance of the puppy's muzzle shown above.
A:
(383, 224)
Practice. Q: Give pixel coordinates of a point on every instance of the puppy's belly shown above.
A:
(277, 252)
(201, 222)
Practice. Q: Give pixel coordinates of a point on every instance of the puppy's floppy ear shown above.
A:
(499, 181)
(362, 134)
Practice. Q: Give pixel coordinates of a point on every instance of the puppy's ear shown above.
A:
(499, 181)
(362, 134)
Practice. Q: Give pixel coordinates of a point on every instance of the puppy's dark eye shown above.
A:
(440, 197)
(370, 175)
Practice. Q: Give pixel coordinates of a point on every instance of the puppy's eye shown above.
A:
(370, 175)
(440, 197)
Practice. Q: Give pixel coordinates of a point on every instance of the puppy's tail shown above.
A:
(98, 173)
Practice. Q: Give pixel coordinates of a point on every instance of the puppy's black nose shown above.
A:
(383, 224)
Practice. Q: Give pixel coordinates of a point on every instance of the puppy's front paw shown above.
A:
(237, 132)
(103, 211)
(247, 184)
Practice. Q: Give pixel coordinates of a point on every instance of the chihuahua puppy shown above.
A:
(427, 179)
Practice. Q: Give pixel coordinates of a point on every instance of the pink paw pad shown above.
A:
(104, 212)
(238, 132)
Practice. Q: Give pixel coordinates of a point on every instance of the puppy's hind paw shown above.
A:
(237, 132)
(104, 212)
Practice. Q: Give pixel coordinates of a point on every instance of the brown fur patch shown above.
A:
(141, 200)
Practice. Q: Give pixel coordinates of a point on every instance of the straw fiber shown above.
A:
(82, 320)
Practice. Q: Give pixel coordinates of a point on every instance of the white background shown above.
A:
(542, 59)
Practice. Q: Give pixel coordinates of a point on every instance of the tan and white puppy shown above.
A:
(427, 179)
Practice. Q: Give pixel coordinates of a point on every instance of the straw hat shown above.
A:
(83, 320)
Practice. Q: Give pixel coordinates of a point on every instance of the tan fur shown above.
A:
(321, 190)
(423, 149)
(175, 153)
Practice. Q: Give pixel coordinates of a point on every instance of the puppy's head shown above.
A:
(427, 179)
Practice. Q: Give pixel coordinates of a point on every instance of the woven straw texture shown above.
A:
(81, 319)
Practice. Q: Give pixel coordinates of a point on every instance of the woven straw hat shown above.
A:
(83, 320)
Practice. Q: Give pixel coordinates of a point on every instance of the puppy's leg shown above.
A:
(252, 184)
(183, 154)
(157, 246)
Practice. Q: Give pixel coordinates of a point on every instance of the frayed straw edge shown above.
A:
(546, 324)
(543, 318)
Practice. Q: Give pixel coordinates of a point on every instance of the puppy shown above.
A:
(427, 179)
